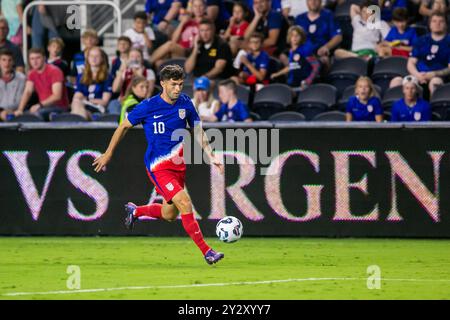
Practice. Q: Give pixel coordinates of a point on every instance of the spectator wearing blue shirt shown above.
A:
(401, 38)
(164, 13)
(429, 62)
(94, 86)
(321, 29)
(410, 108)
(232, 109)
(255, 64)
(365, 104)
(271, 24)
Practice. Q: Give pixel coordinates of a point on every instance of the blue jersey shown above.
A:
(259, 62)
(78, 64)
(160, 120)
(238, 112)
(159, 8)
(321, 30)
(432, 55)
(421, 111)
(95, 90)
(299, 67)
(364, 112)
(408, 38)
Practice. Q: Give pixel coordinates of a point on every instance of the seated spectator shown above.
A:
(12, 85)
(12, 10)
(133, 68)
(183, 38)
(365, 39)
(388, 7)
(204, 101)
(302, 67)
(141, 35)
(89, 39)
(94, 87)
(411, 107)
(293, 8)
(235, 32)
(164, 13)
(401, 37)
(365, 104)
(321, 29)
(429, 62)
(232, 109)
(55, 49)
(216, 11)
(19, 65)
(48, 83)
(211, 56)
(138, 91)
(271, 24)
(123, 50)
(255, 64)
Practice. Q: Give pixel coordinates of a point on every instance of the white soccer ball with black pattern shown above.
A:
(229, 229)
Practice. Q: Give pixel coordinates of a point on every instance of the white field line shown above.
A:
(210, 285)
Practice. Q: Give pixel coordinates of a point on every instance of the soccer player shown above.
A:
(160, 116)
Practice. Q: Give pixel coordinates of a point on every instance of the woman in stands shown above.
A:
(138, 91)
(365, 104)
(94, 86)
(204, 101)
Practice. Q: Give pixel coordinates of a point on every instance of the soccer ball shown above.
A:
(229, 229)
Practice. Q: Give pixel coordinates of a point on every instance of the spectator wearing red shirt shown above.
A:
(183, 37)
(236, 29)
(48, 83)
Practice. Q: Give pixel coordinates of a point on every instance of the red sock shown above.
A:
(153, 210)
(193, 230)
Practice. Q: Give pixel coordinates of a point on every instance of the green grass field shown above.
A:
(173, 268)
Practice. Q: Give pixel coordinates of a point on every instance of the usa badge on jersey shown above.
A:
(182, 113)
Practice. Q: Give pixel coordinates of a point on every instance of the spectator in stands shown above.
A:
(89, 39)
(133, 68)
(429, 62)
(138, 90)
(232, 109)
(271, 24)
(293, 8)
(123, 50)
(12, 10)
(216, 11)
(141, 35)
(48, 83)
(211, 56)
(55, 49)
(183, 37)
(6, 44)
(411, 107)
(204, 101)
(428, 7)
(94, 87)
(388, 6)
(365, 38)
(254, 65)
(365, 105)
(164, 13)
(302, 67)
(321, 29)
(12, 85)
(237, 26)
(401, 37)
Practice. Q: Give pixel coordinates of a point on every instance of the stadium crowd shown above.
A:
(245, 60)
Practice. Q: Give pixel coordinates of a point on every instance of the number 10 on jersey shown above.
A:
(159, 127)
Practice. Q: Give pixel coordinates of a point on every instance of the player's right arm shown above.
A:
(100, 162)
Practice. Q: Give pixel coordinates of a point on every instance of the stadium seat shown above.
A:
(272, 99)
(108, 118)
(27, 117)
(66, 117)
(345, 72)
(315, 99)
(393, 94)
(342, 16)
(440, 101)
(255, 116)
(350, 91)
(330, 116)
(386, 69)
(287, 116)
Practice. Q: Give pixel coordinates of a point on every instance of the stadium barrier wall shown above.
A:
(327, 179)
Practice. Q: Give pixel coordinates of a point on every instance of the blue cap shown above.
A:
(201, 83)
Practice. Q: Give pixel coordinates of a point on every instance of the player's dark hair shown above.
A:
(171, 72)
(400, 14)
(6, 52)
(230, 84)
(140, 15)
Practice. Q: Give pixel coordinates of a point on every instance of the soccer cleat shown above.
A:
(130, 209)
(213, 257)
